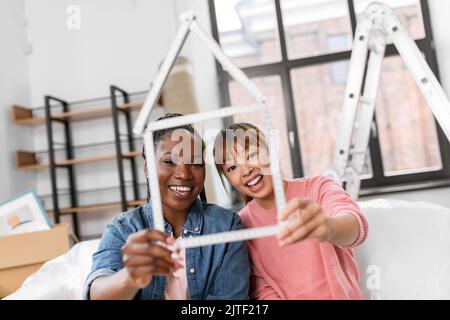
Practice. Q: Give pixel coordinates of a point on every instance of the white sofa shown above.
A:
(406, 256)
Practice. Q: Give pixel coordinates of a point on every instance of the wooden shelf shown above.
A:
(26, 160)
(84, 110)
(136, 203)
(24, 116)
(96, 207)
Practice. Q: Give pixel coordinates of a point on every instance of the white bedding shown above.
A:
(61, 278)
(406, 256)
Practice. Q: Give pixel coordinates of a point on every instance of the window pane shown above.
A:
(318, 98)
(248, 31)
(409, 12)
(315, 27)
(272, 89)
(406, 126)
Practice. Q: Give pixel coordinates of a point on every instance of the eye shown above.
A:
(168, 162)
(231, 168)
(198, 165)
(197, 162)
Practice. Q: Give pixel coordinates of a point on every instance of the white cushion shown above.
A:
(408, 247)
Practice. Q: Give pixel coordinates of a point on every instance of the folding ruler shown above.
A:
(189, 24)
(376, 25)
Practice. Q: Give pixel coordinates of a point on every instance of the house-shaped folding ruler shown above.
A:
(189, 25)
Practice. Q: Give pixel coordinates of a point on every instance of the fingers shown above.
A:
(142, 275)
(292, 206)
(156, 235)
(140, 272)
(147, 249)
(136, 261)
(147, 235)
(148, 252)
(321, 233)
(140, 236)
(170, 240)
(140, 261)
(302, 218)
(136, 248)
(314, 229)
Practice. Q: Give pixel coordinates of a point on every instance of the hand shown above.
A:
(305, 221)
(146, 253)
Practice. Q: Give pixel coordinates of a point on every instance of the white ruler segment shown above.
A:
(203, 116)
(152, 172)
(230, 236)
(278, 189)
(236, 73)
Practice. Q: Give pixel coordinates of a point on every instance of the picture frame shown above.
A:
(22, 213)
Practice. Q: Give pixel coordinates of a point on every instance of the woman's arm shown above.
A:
(307, 221)
(114, 287)
(142, 258)
(344, 229)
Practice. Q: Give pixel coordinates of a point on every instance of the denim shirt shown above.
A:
(213, 272)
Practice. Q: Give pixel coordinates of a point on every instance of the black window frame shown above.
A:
(379, 183)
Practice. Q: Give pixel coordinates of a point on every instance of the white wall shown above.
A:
(119, 42)
(15, 87)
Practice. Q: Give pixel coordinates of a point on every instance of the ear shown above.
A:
(148, 189)
(203, 195)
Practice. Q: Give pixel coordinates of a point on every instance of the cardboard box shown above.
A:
(23, 254)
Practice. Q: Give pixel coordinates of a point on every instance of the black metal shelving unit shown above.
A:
(67, 147)
(49, 120)
(117, 93)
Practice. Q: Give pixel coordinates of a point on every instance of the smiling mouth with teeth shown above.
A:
(180, 188)
(254, 181)
(181, 191)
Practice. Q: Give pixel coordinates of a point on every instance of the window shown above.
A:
(338, 69)
(298, 53)
(248, 31)
(308, 25)
(407, 131)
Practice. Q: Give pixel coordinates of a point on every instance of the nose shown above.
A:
(183, 172)
(246, 170)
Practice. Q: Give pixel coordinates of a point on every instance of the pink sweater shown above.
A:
(306, 269)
